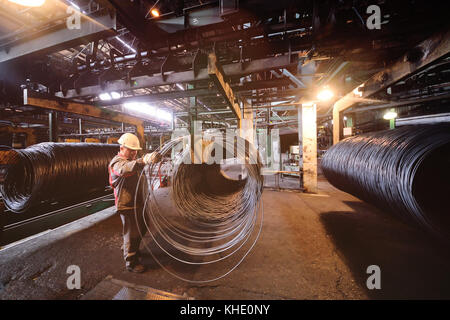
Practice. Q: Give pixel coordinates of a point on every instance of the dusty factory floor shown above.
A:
(311, 247)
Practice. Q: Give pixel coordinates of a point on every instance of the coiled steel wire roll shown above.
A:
(405, 170)
(52, 171)
(213, 219)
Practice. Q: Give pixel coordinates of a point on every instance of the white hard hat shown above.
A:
(129, 141)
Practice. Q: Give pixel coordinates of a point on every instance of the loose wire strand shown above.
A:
(215, 223)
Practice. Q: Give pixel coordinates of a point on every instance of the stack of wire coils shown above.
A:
(49, 171)
(205, 217)
(405, 170)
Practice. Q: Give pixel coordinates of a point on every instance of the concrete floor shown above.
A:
(311, 247)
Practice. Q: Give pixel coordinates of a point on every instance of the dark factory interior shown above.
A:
(224, 150)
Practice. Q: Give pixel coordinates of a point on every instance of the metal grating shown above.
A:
(113, 289)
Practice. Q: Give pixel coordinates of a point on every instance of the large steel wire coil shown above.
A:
(210, 219)
(52, 171)
(406, 171)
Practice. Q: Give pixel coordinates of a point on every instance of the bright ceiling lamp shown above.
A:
(325, 94)
(141, 107)
(104, 96)
(155, 13)
(115, 95)
(29, 3)
(390, 115)
(108, 96)
(145, 109)
(164, 115)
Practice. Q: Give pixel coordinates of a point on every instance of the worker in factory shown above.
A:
(124, 171)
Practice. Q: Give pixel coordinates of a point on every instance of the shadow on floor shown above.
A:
(413, 264)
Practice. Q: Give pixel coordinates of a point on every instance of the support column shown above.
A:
(309, 124)
(216, 74)
(141, 135)
(246, 126)
(269, 147)
(337, 125)
(300, 146)
(193, 123)
(53, 126)
(275, 149)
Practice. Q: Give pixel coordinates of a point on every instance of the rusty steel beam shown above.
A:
(86, 110)
(234, 69)
(224, 88)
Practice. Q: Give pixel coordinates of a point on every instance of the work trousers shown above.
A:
(133, 230)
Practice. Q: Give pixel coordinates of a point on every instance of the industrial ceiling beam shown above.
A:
(413, 61)
(132, 15)
(204, 113)
(233, 69)
(86, 110)
(222, 111)
(294, 79)
(224, 88)
(278, 93)
(396, 104)
(159, 96)
(177, 94)
(262, 84)
(91, 28)
(278, 118)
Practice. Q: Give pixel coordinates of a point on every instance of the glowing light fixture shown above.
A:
(390, 115)
(115, 95)
(325, 94)
(108, 96)
(148, 110)
(141, 107)
(155, 12)
(29, 3)
(164, 115)
(104, 96)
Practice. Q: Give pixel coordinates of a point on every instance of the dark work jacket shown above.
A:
(123, 177)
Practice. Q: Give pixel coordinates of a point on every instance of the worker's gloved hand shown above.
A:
(153, 157)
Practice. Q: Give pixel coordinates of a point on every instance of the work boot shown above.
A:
(135, 267)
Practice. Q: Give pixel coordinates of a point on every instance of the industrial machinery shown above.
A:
(351, 94)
